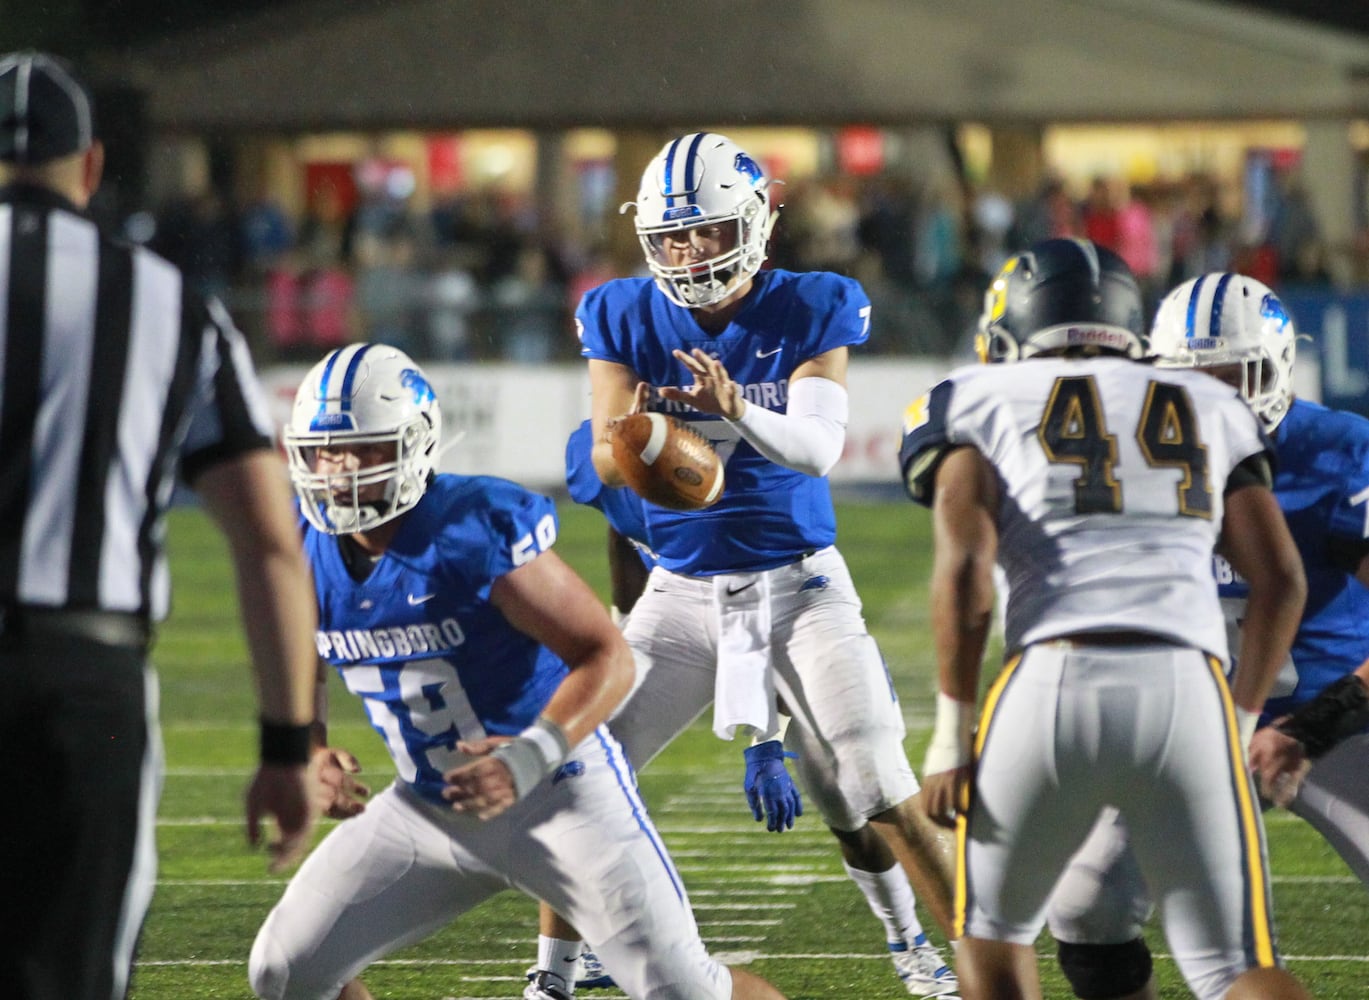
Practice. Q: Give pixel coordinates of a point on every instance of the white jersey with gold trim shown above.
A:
(1093, 464)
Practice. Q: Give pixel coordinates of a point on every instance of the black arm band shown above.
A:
(1254, 471)
(1338, 712)
(282, 743)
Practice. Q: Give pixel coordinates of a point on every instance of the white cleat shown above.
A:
(590, 974)
(923, 971)
(546, 986)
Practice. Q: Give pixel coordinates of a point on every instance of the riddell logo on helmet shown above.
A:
(332, 422)
(1093, 335)
(681, 212)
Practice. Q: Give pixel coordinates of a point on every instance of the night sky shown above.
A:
(74, 27)
(1350, 14)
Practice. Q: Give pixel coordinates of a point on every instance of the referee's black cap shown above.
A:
(45, 110)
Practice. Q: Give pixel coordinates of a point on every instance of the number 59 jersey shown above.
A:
(1111, 477)
(419, 639)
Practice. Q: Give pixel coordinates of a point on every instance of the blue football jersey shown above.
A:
(768, 515)
(419, 641)
(1322, 485)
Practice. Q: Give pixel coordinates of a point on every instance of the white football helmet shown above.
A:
(703, 179)
(363, 394)
(1225, 319)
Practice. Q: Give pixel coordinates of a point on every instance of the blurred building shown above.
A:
(491, 144)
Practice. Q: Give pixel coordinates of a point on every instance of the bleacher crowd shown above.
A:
(481, 276)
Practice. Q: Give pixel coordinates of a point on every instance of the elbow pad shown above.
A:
(809, 436)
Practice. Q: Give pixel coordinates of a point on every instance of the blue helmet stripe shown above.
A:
(323, 381)
(1214, 325)
(669, 174)
(350, 377)
(1191, 315)
(691, 182)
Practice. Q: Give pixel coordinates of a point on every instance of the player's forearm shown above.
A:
(962, 611)
(318, 728)
(962, 588)
(597, 683)
(1255, 540)
(960, 632)
(249, 497)
(809, 436)
(1271, 622)
(275, 602)
(960, 645)
(602, 458)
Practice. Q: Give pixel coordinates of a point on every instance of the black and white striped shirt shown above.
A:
(113, 377)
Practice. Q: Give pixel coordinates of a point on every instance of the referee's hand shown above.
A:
(282, 791)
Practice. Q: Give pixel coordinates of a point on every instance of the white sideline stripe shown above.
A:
(1315, 879)
(704, 779)
(742, 835)
(704, 870)
(754, 956)
(702, 852)
(697, 893)
(742, 907)
(694, 893)
(322, 822)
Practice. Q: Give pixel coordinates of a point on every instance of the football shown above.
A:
(667, 462)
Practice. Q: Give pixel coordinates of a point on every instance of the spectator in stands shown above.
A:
(451, 297)
(1098, 215)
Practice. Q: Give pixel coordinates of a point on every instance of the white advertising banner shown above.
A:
(514, 419)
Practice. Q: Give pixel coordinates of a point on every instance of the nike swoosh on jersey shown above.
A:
(767, 354)
(416, 599)
(731, 591)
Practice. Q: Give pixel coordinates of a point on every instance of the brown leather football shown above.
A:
(666, 462)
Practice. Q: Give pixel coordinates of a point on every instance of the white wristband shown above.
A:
(952, 737)
(549, 739)
(1245, 726)
(533, 754)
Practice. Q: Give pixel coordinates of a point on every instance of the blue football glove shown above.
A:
(770, 791)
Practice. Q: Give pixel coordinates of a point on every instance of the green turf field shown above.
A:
(780, 903)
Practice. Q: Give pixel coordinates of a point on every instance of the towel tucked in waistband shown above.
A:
(744, 687)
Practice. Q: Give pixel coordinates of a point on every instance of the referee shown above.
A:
(114, 379)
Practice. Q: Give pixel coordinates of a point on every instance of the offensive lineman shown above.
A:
(487, 666)
(751, 599)
(1101, 486)
(1236, 329)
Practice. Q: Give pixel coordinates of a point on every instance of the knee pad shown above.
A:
(1105, 971)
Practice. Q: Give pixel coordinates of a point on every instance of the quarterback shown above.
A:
(751, 603)
(487, 667)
